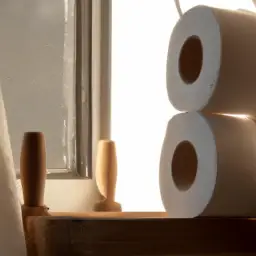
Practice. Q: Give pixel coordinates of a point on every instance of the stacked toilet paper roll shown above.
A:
(12, 240)
(208, 166)
(211, 62)
(208, 159)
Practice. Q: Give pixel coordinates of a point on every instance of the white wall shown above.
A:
(31, 74)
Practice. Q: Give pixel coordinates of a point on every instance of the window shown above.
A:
(45, 87)
(140, 107)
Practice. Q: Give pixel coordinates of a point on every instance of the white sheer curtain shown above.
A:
(140, 107)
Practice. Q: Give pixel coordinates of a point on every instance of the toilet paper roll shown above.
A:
(12, 240)
(211, 61)
(208, 166)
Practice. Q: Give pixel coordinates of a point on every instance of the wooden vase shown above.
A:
(33, 173)
(106, 176)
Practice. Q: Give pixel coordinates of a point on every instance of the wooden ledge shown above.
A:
(104, 236)
(110, 214)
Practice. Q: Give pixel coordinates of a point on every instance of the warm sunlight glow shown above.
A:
(238, 116)
(140, 105)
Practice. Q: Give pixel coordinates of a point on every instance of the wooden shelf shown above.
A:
(112, 236)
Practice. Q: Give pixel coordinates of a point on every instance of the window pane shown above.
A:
(31, 72)
(140, 106)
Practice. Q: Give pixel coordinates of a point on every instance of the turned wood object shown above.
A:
(106, 176)
(33, 173)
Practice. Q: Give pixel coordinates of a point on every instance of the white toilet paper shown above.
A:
(208, 166)
(12, 240)
(211, 62)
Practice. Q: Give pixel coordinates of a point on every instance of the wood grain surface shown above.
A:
(114, 236)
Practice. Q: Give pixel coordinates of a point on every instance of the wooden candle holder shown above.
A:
(106, 176)
(33, 174)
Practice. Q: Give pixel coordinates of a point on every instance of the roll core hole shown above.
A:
(184, 165)
(191, 59)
